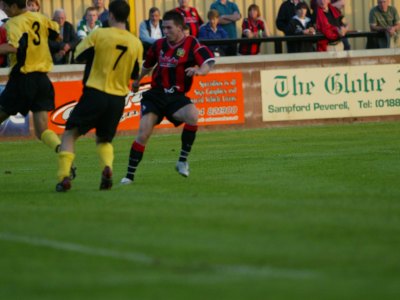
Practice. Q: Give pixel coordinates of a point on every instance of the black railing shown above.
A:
(279, 40)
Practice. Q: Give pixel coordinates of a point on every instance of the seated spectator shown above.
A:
(229, 14)
(101, 10)
(186, 30)
(33, 5)
(89, 23)
(213, 31)
(252, 27)
(286, 12)
(150, 30)
(301, 25)
(3, 15)
(191, 16)
(330, 23)
(384, 18)
(62, 48)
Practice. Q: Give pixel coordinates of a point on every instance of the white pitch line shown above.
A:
(72, 247)
(136, 257)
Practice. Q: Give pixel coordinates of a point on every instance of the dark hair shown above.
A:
(174, 16)
(120, 10)
(20, 3)
(153, 10)
(301, 5)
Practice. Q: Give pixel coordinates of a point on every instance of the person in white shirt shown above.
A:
(150, 30)
(89, 23)
(3, 15)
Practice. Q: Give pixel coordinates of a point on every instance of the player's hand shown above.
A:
(135, 86)
(192, 71)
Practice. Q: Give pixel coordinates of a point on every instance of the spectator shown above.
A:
(150, 30)
(384, 18)
(89, 23)
(330, 24)
(286, 12)
(33, 5)
(3, 40)
(191, 17)
(62, 49)
(186, 30)
(339, 4)
(213, 31)
(252, 27)
(301, 25)
(101, 10)
(229, 14)
(3, 34)
(3, 15)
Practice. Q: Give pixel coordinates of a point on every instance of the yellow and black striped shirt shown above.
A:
(113, 56)
(29, 33)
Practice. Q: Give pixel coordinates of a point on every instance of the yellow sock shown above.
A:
(65, 160)
(106, 154)
(50, 138)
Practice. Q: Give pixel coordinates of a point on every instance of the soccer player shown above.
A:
(28, 87)
(113, 56)
(176, 58)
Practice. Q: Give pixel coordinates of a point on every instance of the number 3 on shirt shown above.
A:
(36, 28)
(123, 51)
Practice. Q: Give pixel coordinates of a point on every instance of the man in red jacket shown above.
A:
(329, 22)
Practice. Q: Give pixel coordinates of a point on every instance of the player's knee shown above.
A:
(192, 117)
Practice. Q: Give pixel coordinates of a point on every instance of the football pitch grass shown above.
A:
(284, 213)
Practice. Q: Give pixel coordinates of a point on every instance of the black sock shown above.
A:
(188, 137)
(135, 157)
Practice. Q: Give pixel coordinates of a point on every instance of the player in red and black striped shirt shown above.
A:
(176, 59)
(191, 17)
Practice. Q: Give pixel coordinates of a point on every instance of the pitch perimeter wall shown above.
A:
(354, 87)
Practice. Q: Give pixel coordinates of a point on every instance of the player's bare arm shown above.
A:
(203, 70)
(136, 83)
(7, 49)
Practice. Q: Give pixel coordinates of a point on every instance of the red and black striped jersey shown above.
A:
(192, 19)
(255, 26)
(171, 61)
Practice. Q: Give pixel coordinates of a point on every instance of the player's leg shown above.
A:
(3, 116)
(47, 136)
(105, 151)
(66, 158)
(106, 128)
(147, 123)
(189, 115)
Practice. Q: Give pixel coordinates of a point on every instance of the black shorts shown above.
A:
(27, 92)
(163, 104)
(97, 110)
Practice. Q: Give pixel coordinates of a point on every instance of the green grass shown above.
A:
(282, 213)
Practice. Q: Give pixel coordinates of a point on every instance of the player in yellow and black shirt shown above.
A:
(28, 87)
(113, 56)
